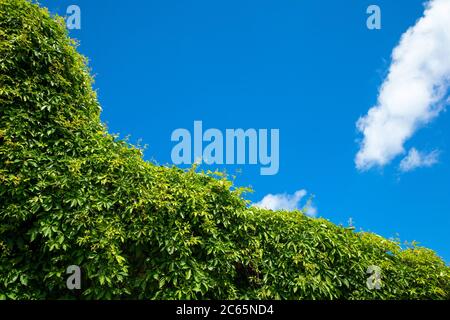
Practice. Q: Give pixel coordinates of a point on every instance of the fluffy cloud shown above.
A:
(416, 159)
(287, 202)
(414, 91)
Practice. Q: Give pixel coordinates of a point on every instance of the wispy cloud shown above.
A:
(416, 159)
(310, 209)
(287, 202)
(414, 91)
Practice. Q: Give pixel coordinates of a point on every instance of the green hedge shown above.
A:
(72, 194)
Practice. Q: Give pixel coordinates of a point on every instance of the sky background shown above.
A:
(309, 68)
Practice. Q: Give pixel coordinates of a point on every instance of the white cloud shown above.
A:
(287, 202)
(310, 210)
(414, 91)
(416, 159)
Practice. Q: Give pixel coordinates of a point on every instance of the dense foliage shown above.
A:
(72, 194)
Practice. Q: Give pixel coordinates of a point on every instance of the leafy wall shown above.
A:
(72, 194)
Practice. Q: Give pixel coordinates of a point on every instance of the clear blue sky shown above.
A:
(309, 68)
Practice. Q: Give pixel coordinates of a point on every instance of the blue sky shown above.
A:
(308, 68)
